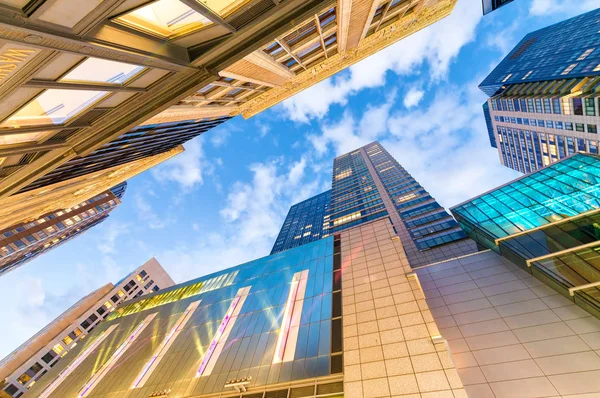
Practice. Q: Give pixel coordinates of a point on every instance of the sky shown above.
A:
(221, 203)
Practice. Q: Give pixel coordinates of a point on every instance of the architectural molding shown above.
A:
(262, 60)
(334, 64)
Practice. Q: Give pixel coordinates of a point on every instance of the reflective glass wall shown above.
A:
(265, 322)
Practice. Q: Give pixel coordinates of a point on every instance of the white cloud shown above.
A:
(438, 44)
(413, 97)
(186, 168)
(107, 241)
(252, 216)
(445, 142)
(195, 227)
(147, 214)
(219, 137)
(565, 7)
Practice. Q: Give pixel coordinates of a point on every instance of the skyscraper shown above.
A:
(369, 184)
(76, 77)
(492, 5)
(25, 241)
(306, 222)
(26, 365)
(543, 102)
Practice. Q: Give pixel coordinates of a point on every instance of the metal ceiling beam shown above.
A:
(51, 84)
(288, 50)
(25, 149)
(208, 13)
(318, 26)
(40, 128)
(108, 42)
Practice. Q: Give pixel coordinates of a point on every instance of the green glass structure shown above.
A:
(548, 222)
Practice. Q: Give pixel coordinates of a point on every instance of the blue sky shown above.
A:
(222, 202)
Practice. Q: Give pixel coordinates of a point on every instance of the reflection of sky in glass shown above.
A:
(565, 189)
(53, 107)
(164, 17)
(102, 71)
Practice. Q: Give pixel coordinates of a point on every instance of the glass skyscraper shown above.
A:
(369, 184)
(544, 103)
(306, 222)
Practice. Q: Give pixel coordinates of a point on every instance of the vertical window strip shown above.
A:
(288, 335)
(160, 352)
(218, 341)
(73, 365)
(108, 365)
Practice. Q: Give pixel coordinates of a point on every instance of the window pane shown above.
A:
(54, 107)
(102, 71)
(165, 18)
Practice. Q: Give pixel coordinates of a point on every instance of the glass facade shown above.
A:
(548, 222)
(428, 223)
(368, 184)
(232, 332)
(306, 222)
(489, 124)
(354, 195)
(140, 142)
(491, 5)
(570, 48)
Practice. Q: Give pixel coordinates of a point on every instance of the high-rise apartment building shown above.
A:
(25, 241)
(306, 222)
(543, 102)
(369, 184)
(75, 76)
(492, 5)
(25, 366)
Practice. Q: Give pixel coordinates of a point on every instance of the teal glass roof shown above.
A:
(564, 189)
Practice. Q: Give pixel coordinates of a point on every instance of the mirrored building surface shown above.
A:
(544, 103)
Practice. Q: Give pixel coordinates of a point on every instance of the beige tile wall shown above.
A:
(388, 329)
(510, 335)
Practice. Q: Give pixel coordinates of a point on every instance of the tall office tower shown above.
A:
(292, 324)
(138, 143)
(306, 222)
(543, 102)
(25, 241)
(75, 75)
(369, 184)
(492, 5)
(24, 367)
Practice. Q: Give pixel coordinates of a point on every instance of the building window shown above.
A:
(568, 126)
(67, 340)
(577, 106)
(115, 298)
(568, 69)
(579, 127)
(101, 310)
(507, 77)
(585, 54)
(592, 128)
(58, 348)
(155, 288)
(590, 107)
(50, 355)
